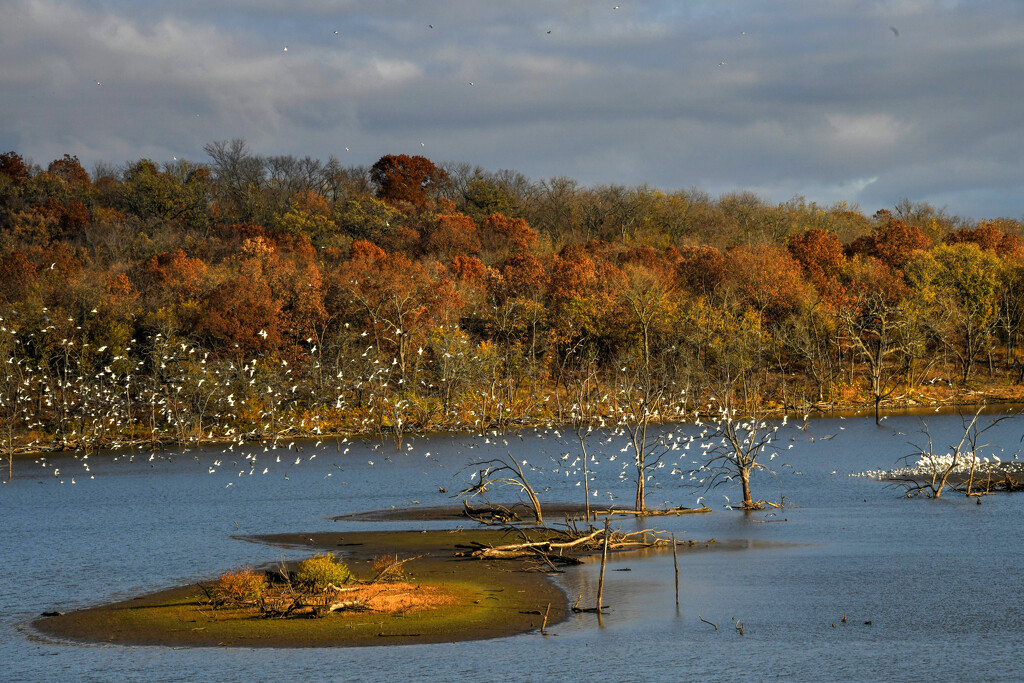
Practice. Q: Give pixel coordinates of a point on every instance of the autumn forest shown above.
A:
(249, 296)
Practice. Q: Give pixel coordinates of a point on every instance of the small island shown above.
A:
(364, 588)
(430, 597)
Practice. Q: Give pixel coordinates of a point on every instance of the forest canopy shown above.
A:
(248, 293)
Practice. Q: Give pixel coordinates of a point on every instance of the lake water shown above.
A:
(938, 579)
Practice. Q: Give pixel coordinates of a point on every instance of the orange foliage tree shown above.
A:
(452, 235)
(70, 170)
(400, 177)
(701, 269)
(767, 279)
(820, 254)
(242, 317)
(989, 237)
(877, 323)
(893, 241)
(398, 299)
(13, 167)
(502, 234)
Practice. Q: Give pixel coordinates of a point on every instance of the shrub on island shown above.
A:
(239, 587)
(320, 571)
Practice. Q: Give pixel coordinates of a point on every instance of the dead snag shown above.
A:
(604, 560)
(503, 471)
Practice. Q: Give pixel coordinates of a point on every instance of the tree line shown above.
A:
(251, 295)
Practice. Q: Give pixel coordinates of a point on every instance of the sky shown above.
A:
(863, 101)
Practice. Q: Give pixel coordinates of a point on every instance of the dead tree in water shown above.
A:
(957, 468)
(737, 443)
(503, 471)
(584, 413)
(644, 405)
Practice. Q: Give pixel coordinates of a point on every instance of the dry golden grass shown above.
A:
(384, 597)
(389, 598)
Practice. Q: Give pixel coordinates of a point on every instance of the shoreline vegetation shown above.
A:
(447, 590)
(994, 400)
(255, 298)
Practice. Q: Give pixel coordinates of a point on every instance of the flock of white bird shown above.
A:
(953, 462)
(92, 398)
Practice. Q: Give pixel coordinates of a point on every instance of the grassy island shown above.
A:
(439, 597)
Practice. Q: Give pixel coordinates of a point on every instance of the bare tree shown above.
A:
(956, 468)
(644, 405)
(738, 446)
(875, 330)
(15, 401)
(502, 471)
(578, 372)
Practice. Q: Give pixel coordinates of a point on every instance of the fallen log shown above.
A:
(490, 514)
(557, 551)
(346, 604)
(517, 550)
(656, 513)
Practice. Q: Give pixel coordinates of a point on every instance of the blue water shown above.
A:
(937, 579)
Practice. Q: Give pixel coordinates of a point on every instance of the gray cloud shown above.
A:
(814, 99)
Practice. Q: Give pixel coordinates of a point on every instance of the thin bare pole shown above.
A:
(604, 560)
(586, 483)
(675, 563)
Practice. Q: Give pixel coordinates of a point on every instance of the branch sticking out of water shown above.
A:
(706, 621)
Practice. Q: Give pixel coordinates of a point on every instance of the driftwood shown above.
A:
(984, 481)
(490, 514)
(675, 563)
(393, 571)
(531, 548)
(555, 551)
(758, 505)
(287, 602)
(488, 469)
(655, 513)
(604, 561)
(707, 622)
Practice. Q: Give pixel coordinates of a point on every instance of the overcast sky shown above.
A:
(855, 100)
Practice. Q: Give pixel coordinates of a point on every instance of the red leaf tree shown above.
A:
(400, 177)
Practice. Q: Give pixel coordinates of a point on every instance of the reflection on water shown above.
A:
(935, 579)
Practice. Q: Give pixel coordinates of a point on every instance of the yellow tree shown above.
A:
(959, 282)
